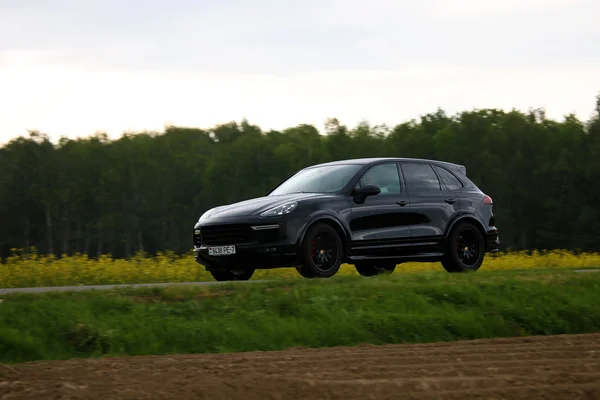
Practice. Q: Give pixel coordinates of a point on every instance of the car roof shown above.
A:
(365, 161)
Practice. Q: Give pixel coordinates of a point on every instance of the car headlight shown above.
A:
(280, 210)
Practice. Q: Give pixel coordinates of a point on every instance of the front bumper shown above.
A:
(249, 257)
(259, 243)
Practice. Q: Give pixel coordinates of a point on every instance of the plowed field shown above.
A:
(550, 367)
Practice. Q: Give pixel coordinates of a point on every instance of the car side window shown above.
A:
(385, 176)
(451, 181)
(420, 178)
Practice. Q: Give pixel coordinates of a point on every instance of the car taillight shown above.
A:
(487, 200)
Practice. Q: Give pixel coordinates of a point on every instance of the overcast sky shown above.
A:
(74, 67)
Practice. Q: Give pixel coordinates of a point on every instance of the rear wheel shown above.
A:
(466, 249)
(322, 252)
(232, 275)
(372, 269)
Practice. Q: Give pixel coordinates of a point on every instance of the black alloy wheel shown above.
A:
(322, 252)
(466, 249)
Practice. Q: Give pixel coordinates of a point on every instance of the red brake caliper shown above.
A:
(313, 247)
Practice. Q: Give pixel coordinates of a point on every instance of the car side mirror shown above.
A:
(363, 192)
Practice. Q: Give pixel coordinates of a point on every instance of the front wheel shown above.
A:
(322, 252)
(232, 275)
(372, 269)
(466, 249)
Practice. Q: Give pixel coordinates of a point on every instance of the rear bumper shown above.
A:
(492, 243)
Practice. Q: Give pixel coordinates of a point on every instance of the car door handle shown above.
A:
(402, 203)
(450, 201)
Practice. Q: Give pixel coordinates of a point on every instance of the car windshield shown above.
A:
(325, 179)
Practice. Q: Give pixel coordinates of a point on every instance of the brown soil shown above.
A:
(551, 367)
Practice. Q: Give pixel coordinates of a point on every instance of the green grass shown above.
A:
(403, 308)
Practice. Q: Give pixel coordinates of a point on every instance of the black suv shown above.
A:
(374, 213)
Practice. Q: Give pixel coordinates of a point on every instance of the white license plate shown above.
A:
(221, 250)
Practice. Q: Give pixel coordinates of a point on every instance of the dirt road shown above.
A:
(552, 367)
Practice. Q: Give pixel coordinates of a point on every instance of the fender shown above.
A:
(462, 217)
(320, 216)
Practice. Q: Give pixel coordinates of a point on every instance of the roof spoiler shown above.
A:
(461, 168)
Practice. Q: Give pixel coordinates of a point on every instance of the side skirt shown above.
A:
(411, 249)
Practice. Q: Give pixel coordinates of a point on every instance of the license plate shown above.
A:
(221, 250)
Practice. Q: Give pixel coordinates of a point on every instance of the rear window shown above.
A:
(451, 181)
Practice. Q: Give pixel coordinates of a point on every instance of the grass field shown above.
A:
(345, 310)
(36, 270)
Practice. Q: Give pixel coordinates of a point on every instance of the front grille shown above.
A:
(226, 234)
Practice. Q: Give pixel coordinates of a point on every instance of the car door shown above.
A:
(380, 225)
(432, 206)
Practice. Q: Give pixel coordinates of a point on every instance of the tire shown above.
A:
(372, 269)
(322, 252)
(466, 249)
(232, 275)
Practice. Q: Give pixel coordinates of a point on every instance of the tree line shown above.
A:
(145, 191)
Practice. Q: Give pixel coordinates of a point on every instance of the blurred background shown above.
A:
(122, 122)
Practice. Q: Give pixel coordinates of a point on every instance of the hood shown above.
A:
(256, 205)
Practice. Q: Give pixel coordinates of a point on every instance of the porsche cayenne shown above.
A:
(372, 213)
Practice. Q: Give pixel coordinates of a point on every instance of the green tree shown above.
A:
(145, 191)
